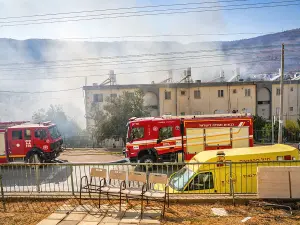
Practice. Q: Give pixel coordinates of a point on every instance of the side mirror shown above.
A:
(159, 141)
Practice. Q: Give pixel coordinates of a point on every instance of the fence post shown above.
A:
(231, 183)
(72, 180)
(37, 177)
(2, 194)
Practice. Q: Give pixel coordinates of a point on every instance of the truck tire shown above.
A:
(147, 159)
(34, 158)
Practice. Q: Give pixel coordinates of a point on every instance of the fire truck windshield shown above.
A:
(181, 178)
(54, 132)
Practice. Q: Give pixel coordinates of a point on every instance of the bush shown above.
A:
(292, 126)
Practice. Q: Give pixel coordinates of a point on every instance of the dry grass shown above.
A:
(30, 212)
(201, 214)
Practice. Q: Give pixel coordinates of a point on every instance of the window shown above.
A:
(54, 133)
(263, 102)
(165, 133)
(182, 92)
(197, 113)
(202, 181)
(40, 134)
(277, 111)
(17, 135)
(98, 98)
(168, 113)
(292, 89)
(27, 134)
(182, 113)
(291, 109)
(197, 94)
(277, 91)
(220, 93)
(112, 96)
(234, 91)
(247, 92)
(167, 95)
(137, 133)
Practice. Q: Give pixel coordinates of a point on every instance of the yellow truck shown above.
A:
(210, 171)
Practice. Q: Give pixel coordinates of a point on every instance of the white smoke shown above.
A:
(21, 106)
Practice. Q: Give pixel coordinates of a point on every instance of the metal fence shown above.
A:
(190, 178)
(265, 136)
(83, 141)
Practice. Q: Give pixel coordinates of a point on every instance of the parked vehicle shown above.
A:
(168, 138)
(210, 172)
(21, 141)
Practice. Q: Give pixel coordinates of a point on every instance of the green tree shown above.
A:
(56, 115)
(258, 122)
(112, 120)
(258, 126)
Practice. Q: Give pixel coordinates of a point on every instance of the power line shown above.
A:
(115, 9)
(137, 12)
(140, 61)
(141, 72)
(163, 35)
(124, 62)
(39, 92)
(149, 54)
(161, 13)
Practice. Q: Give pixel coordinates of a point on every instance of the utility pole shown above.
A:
(273, 123)
(281, 96)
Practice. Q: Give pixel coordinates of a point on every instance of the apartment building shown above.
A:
(259, 98)
(207, 98)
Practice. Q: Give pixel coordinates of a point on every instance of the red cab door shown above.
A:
(39, 141)
(16, 143)
(28, 139)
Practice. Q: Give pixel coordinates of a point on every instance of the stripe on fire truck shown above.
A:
(13, 156)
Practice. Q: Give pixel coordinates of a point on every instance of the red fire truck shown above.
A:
(163, 139)
(33, 143)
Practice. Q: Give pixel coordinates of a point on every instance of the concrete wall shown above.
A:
(209, 103)
(290, 102)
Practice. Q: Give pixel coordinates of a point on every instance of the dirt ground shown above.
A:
(30, 213)
(90, 155)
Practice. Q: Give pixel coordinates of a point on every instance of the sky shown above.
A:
(262, 20)
(255, 21)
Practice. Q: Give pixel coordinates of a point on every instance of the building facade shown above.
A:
(259, 98)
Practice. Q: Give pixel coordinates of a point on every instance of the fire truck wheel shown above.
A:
(34, 158)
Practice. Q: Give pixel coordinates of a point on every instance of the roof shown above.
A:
(184, 85)
(225, 116)
(208, 155)
(169, 85)
(31, 125)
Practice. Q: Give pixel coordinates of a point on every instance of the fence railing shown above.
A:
(265, 136)
(200, 178)
(87, 142)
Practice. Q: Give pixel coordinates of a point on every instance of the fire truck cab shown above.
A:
(33, 143)
(162, 139)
